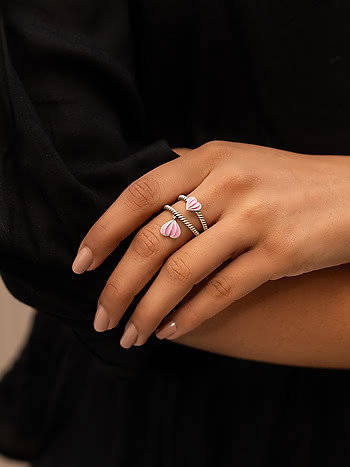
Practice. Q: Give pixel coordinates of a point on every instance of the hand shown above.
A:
(270, 213)
(182, 151)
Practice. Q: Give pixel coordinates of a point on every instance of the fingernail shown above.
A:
(101, 322)
(111, 326)
(83, 260)
(129, 337)
(167, 330)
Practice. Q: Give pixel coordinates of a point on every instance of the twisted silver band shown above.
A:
(199, 214)
(182, 218)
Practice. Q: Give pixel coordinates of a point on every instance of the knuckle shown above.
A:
(112, 290)
(219, 287)
(177, 268)
(216, 150)
(142, 193)
(217, 144)
(288, 250)
(102, 227)
(242, 179)
(256, 212)
(146, 243)
(281, 248)
(281, 265)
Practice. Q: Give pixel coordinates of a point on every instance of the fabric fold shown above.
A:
(64, 160)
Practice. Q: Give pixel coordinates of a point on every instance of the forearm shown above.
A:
(302, 320)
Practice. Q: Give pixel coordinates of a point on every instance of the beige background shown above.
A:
(15, 318)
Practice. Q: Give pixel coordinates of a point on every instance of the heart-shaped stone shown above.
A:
(170, 229)
(192, 204)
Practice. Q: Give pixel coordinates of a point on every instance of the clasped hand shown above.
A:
(271, 214)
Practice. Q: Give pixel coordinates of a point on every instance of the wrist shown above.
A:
(336, 170)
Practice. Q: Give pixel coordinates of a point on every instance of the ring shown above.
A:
(192, 204)
(172, 229)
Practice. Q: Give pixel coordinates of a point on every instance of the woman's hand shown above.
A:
(270, 213)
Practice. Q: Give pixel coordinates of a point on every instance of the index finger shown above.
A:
(137, 202)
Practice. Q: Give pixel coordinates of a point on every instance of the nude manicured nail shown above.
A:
(83, 260)
(167, 330)
(101, 322)
(129, 337)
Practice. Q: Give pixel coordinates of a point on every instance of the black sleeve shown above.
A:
(71, 139)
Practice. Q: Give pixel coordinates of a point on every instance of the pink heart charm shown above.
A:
(170, 229)
(192, 204)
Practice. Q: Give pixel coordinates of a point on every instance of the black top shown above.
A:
(94, 93)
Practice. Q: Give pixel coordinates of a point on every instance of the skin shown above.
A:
(302, 321)
(272, 214)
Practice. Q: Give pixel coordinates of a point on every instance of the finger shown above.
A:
(186, 267)
(137, 202)
(146, 254)
(240, 277)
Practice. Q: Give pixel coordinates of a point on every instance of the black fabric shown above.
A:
(92, 95)
(77, 141)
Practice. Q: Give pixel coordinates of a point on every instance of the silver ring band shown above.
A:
(182, 218)
(172, 228)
